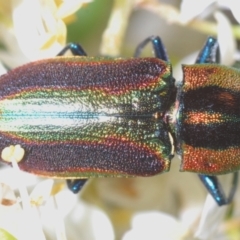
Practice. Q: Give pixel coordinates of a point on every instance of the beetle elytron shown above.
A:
(80, 117)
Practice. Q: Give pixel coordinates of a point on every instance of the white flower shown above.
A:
(155, 226)
(61, 216)
(34, 29)
(191, 9)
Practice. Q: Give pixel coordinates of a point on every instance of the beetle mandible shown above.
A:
(80, 117)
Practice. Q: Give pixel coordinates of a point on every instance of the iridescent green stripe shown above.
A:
(81, 115)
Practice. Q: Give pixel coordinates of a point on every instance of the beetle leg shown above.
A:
(215, 189)
(76, 185)
(75, 48)
(158, 47)
(210, 52)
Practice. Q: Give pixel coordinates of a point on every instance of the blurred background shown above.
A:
(168, 206)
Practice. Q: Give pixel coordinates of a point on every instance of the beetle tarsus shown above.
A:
(158, 47)
(215, 188)
(76, 185)
(210, 52)
(75, 48)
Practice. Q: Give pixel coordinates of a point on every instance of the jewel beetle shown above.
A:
(81, 117)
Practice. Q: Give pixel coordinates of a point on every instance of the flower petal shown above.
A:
(226, 39)
(155, 225)
(212, 216)
(190, 9)
(69, 7)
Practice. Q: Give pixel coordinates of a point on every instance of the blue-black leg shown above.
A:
(75, 48)
(215, 188)
(211, 54)
(76, 185)
(158, 47)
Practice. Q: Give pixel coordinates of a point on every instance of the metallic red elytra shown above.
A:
(80, 117)
(97, 121)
